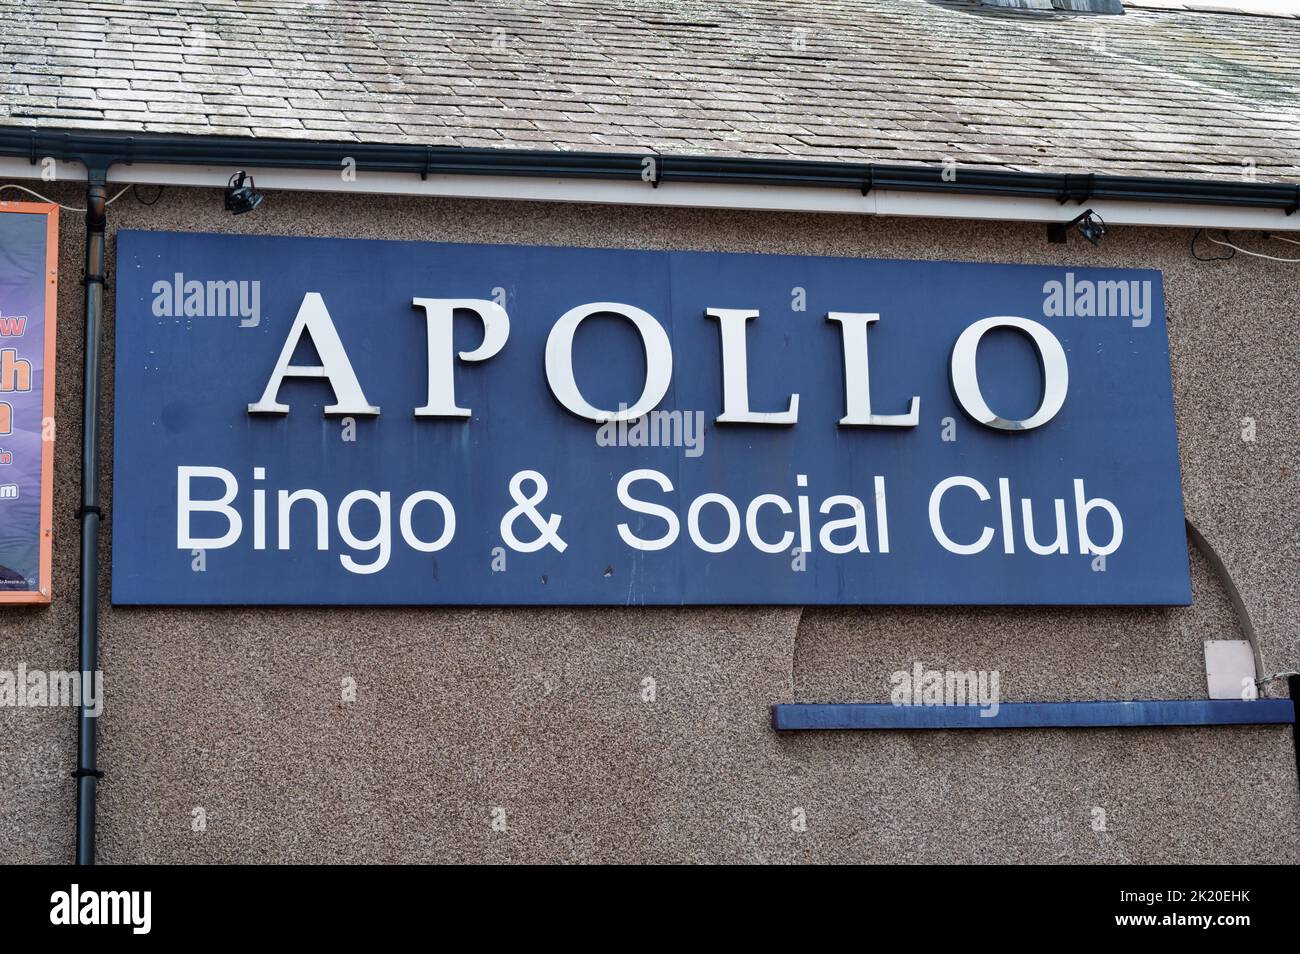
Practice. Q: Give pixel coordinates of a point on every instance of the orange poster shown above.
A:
(29, 267)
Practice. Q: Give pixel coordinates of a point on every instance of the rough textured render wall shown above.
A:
(538, 711)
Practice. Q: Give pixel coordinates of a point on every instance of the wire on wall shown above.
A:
(70, 208)
(1227, 243)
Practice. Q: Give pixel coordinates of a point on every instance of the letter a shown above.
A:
(314, 319)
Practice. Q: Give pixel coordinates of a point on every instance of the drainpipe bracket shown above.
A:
(1078, 188)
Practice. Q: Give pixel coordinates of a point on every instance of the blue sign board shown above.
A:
(341, 421)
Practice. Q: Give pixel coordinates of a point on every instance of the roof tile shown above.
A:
(1150, 92)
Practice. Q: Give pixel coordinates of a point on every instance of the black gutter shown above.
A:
(87, 773)
(100, 150)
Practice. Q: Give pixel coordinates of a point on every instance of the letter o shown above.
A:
(693, 523)
(559, 361)
(1051, 359)
(448, 517)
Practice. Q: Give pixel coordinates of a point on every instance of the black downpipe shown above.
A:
(1293, 687)
(87, 773)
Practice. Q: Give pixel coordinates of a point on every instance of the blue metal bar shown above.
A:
(1032, 715)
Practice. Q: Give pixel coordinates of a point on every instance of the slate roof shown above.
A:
(1159, 92)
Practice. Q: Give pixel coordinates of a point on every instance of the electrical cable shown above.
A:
(135, 193)
(66, 208)
(1244, 251)
(1277, 675)
(1208, 258)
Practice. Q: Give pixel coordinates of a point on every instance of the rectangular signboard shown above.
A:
(29, 268)
(341, 421)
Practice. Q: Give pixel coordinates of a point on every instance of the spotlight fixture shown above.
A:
(1089, 223)
(241, 198)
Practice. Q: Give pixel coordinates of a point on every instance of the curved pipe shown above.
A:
(1238, 604)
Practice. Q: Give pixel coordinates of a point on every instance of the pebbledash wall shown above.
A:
(461, 713)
